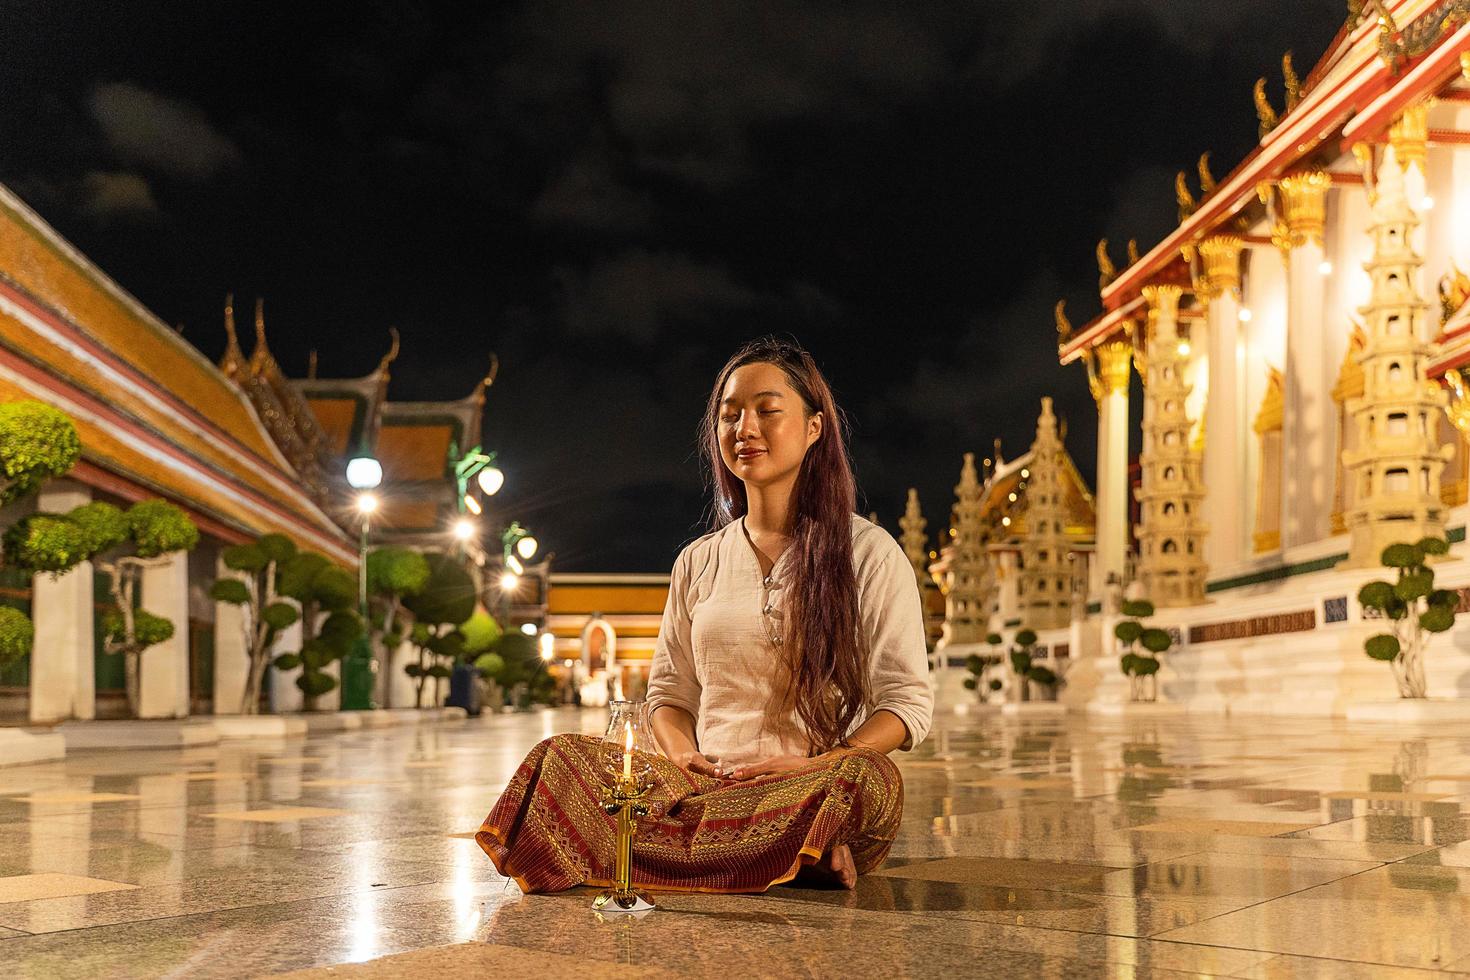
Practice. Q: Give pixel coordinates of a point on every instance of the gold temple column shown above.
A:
(1225, 409)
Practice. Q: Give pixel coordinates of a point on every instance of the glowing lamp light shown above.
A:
(491, 479)
(1025, 473)
(1005, 522)
(1427, 204)
(464, 529)
(1245, 314)
(528, 628)
(472, 505)
(364, 473)
(548, 646)
(1324, 267)
(1012, 497)
(526, 547)
(509, 581)
(514, 564)
(1184, 348)
(367, 503)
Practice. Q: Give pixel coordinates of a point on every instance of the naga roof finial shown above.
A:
(392, 354)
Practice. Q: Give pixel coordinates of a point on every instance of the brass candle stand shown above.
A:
(625, 798)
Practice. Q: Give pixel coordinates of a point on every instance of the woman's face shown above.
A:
(763, 426)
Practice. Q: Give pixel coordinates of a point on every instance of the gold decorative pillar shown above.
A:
(915, 540)
(1225, 425)
(1397, 463)
(1309, 415)
(1045, 579)
(1170, 530)
(1113, 359)
(968, 579)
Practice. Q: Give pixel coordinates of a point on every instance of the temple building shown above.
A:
(1020, 545)
(1303, 340)
(241, 448)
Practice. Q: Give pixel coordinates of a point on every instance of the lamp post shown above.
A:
(364, 474)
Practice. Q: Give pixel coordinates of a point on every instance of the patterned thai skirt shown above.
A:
(548, 830)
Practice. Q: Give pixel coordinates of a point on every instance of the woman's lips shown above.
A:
(748, 454)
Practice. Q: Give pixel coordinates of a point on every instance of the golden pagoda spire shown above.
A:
(233, 362)
(915, 538)
(1106, 271)
(1264, 113)
(1206, 179)
(392, 354)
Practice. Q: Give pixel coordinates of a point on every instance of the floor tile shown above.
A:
(33, 887)
(287, 814)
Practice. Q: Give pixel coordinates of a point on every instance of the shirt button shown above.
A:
(767, 610)
(767, 581)
(776, 640)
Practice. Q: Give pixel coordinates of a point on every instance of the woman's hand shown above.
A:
(775, 764)
(694, 762)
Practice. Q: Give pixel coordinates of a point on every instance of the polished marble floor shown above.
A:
(1038, 847)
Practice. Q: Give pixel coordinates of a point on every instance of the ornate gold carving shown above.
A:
(1304, 201)
(311, 365)
(1265, 115)
(1133, 256)
(1207, 182)
(1465, 65)
(1454, 290)
(392, 354)
(1409, 135)
(1106, 271)
(1293, 84)
(1064, 325)
(1273, 404)
(1457, 409)
(1183, 196)
(233, 363)
(1163, 298)
(1131, 329)
(1113, 357)
(1221, 255)
(1094, 383)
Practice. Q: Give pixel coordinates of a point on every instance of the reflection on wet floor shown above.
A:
(1055, 847)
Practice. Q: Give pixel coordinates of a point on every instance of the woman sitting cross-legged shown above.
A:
(790, 662)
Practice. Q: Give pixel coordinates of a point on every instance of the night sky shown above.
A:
(614, 196)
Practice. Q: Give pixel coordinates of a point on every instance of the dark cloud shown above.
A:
(109, 195)
(166, 133)
(615, 196)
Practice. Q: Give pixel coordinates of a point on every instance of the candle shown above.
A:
(627, 750)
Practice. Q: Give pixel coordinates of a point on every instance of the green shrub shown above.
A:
(37, 442)
(1382, 647)
(17, 635)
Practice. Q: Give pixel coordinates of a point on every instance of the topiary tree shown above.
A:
(1414, 608)
(523, 675)
(1024, 666)
(977, 665)
(37, 442)
(121, 544)
(1142, 668)
(262, 613)
(446, 600)
(393, 575)
(319, 587)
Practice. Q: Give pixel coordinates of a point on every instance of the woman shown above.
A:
(789, 663)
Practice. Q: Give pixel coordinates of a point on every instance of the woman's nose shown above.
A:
(746, 426)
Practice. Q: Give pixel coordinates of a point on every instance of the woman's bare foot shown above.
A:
(836, 867)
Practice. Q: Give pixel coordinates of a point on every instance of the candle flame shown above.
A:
(628, 736)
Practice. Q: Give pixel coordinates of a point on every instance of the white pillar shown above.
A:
(285, 695)
(231, 654)
(1225, 409)
(63, 677)
(1309, 422)
(163, 678)
(1114, 358)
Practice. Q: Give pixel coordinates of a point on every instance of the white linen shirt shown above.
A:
(717, 650)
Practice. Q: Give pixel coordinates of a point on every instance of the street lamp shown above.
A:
(364, 474)
(464, 529)
(509, 582)
(526, 547)
(491, 479)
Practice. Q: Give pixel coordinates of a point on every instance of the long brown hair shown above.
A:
(829, 680)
